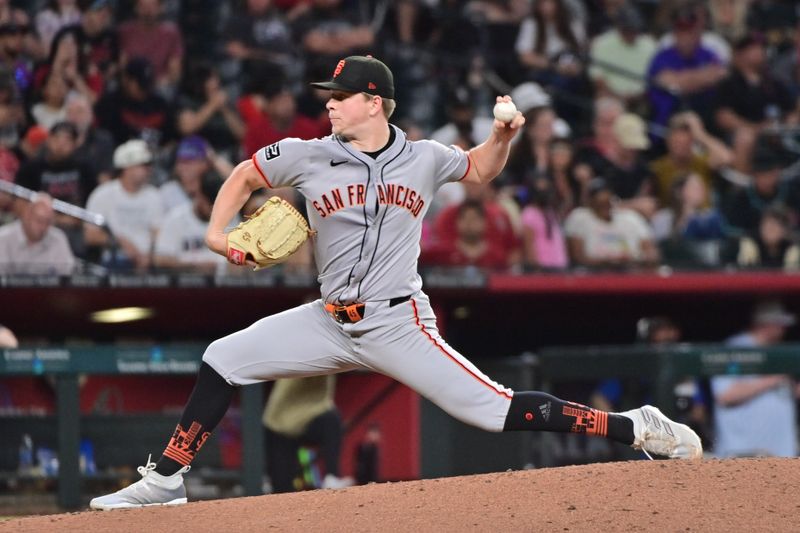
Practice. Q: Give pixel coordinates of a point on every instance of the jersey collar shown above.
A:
(386, 155)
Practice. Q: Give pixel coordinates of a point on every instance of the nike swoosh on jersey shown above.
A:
(337, 163)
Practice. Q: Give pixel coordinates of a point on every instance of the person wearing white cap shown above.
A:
(131, 206)
(756, 414)
(529, 96)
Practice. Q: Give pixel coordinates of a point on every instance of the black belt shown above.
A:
(399, 300)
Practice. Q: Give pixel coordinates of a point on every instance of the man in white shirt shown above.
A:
(32, 245)
(603, 236)
(181, 240)
(132, 208)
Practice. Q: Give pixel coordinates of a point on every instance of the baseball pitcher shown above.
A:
(366, 189)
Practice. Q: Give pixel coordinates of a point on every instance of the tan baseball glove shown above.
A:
(269, 236)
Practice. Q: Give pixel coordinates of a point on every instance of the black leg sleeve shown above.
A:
(207, 405)
(539, 411)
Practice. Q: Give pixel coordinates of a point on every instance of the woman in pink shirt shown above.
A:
(543, 240)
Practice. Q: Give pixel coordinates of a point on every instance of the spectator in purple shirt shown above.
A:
(684, 73)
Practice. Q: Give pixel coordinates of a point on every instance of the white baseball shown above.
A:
(505, 111)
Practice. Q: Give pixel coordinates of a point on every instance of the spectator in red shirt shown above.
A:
(159, 41)
(472, 244)
(272, 116)
(68, 59)
(500, 232)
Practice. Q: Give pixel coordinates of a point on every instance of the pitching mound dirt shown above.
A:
(725, 496)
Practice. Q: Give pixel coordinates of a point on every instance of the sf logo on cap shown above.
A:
(339, 68)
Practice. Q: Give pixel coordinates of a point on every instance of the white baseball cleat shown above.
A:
(152, 489)
(655, 433)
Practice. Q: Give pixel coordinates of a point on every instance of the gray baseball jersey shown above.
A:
(367, 212)
(368, 217)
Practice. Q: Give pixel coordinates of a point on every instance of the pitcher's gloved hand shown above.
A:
(269, 236)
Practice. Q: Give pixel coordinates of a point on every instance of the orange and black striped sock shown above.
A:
(539, 411)
(206, 407)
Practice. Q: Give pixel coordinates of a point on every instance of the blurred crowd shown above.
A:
(658, 133)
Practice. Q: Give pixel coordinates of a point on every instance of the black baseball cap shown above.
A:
(360, 74)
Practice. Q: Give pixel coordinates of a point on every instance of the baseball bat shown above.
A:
(62, 207)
